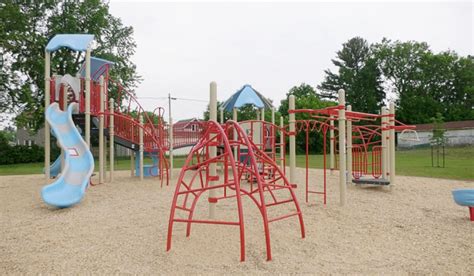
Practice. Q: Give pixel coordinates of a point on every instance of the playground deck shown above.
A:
(121, 228)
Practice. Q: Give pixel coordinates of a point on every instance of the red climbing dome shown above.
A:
(242, 161)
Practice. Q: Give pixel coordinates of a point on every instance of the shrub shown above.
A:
(24, 154)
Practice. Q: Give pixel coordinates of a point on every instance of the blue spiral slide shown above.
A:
(70, 187)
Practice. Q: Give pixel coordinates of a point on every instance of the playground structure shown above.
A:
(99, 114)
(251, 157)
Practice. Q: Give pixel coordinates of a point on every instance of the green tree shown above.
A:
(26, 27)
(7, 136)
(460, 104)
(438, 130)
(358, 74)
(426, 83)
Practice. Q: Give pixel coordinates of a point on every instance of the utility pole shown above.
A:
(170, 134)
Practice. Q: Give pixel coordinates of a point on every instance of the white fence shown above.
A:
(455, 137)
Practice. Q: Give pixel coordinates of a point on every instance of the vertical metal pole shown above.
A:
(88, 98)
(273, 116)
(47, 98)
(63, 155)
(212, 149)
(443, 156)
(349, 148)
(432, 157)
(132, 162)
(111, 139)
(384, 143)
(222, 115)
(101, 132)
(105, 155)
(292, 141)
(282, 147)
(262, 114)
(140, 118)
(221, 110)
(342, 148)
(331, 144)
(437, 156)
(392, 143)
(171, 138)
(235, 119)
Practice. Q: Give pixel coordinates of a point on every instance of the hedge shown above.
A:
(23, 154)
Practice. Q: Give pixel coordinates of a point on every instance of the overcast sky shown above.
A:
(182, 47)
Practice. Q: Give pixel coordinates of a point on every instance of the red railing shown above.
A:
(126, 124)
(128, 128)
(184, 138)
(359, 162)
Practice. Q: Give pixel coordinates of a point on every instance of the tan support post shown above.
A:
(47, 133)
(342, 148)
(171, 148)
(222, 115)
(88, 98)
(392, 143)
(105, 155)
(212, 149)
(349, 148)
(263, 114)
(111, 139)
(140, 118)
(292, 123)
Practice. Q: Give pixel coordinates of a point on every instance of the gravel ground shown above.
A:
(121, 227)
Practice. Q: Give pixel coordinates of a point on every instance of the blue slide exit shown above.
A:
(55, 168)
(70, 187)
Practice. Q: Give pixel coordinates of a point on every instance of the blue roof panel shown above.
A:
(76, 42)
(98, 67)
(246, 95)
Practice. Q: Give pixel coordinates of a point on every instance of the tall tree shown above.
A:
(26, 27)
(400, 63)
(426, 83)
(358, 74)
(461, 104)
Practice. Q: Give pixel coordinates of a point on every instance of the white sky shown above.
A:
(182, 47)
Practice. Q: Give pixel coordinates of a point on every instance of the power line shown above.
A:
(165, 98)
(192, 100)
(153, 98)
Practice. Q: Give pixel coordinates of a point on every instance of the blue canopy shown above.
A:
(76, 42)
(246, 95)
(98, 68)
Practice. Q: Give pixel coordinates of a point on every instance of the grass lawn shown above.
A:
(459, 164)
